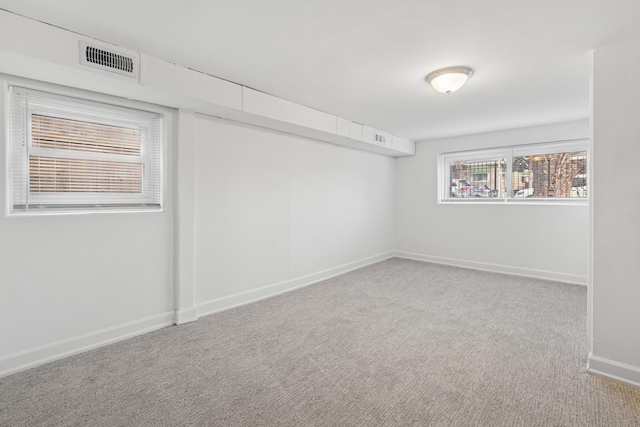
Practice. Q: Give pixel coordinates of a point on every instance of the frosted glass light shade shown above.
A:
(447, 80)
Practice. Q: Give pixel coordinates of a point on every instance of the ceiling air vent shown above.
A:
(117, 61)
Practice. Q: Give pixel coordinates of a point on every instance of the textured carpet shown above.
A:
(393, 344)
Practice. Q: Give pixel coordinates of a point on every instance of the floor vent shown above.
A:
(108, 59)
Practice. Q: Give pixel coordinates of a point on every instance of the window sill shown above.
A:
(524, 201)
(63, 212)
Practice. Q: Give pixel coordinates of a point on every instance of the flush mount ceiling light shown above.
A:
(450, 79)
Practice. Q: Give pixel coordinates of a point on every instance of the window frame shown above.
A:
(509, 152)
(48, 204)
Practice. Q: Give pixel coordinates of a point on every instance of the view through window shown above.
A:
(555, 171)
(562, 175)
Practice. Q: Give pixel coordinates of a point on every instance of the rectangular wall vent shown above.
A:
(381, 139)
(109, 59)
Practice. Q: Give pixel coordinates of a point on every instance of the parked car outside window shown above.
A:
(460, 188)
(484, 191)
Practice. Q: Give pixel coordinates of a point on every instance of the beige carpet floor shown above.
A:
(398, 343)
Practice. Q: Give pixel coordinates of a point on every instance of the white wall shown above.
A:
(275, 211)
(270, 212)
(549, 241)
(616, 212)
(72, 281)
(257, 212)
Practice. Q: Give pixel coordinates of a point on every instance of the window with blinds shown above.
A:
(67, 154)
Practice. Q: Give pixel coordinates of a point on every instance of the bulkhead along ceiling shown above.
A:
(365, 60)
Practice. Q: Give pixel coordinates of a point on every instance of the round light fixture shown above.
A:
(450, 79)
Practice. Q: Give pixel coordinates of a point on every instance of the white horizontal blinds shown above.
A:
(152, 158)
(64, 175)
(17, 150)
(80, 154)
(59, 175)
(64, 134)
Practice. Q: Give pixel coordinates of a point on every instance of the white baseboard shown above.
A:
(30, 358)
(498, 268)
(242, 298)
(186, 316)
(615, 370)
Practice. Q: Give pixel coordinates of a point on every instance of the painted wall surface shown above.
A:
(63, 276)
(541, 240)
(271, 207)
(616, 229)
(254, 212)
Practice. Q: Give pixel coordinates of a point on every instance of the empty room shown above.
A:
(305, 213)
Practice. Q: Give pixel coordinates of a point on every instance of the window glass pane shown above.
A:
(478, 178)
(101, 173)
(64, 134)
(61, 175)
(559, 175)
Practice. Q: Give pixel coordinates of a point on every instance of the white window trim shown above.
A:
(508, 152)
(88, 97)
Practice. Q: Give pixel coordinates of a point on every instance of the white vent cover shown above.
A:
(381, 138)
(109, 59)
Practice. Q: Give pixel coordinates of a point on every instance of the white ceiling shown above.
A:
(366, 60)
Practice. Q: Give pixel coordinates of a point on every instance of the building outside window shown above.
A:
(545, 172)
